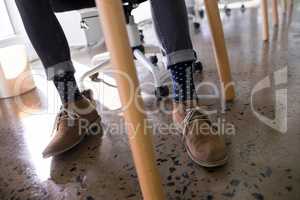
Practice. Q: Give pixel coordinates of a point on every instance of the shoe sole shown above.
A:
(75, 144)
(206, 164)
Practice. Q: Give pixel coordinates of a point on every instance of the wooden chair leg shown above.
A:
(290, 11)
(113, 23)
(264, 8)
(220, 50)
(284, 6)
(290, 4)
(275, 12)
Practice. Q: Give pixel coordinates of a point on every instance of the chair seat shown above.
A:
(68, 5)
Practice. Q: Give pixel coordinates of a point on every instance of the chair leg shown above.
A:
(275, 12)
(220, 50)
(285, 5)
(290, 4)
(264, 8)
(140, 139)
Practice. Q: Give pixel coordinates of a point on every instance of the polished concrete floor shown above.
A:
(264, 158)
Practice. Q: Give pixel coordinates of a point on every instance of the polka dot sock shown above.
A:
(183, 83)
(67, 87)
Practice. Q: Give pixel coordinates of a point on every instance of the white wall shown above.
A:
(20, 34)
(70, 22)
(6, 27)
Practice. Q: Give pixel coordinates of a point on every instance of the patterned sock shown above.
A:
(67, 87)
(183, 83)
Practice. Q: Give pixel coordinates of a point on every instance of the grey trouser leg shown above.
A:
(171, 24)
(46, 36)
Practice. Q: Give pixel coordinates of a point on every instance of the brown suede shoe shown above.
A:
(203, 143)
(72, 124)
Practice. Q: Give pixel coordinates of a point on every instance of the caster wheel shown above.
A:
(94, 77)
(201, 14)
(243, 8)
(88, 94)
(198, 67)
(142, 37)
(228, 11)
(161, 92)
(153, 60)
(196, 25)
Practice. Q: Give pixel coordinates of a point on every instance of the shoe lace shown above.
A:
(63, 114)
(193, 114)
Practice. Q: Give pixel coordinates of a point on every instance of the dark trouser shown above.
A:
(49, 41)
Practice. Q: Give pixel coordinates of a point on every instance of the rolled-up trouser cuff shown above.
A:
(59, 68)
(181, 56)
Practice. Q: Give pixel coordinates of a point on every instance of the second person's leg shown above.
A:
(51, 45)
(171, 24)
(204, 146)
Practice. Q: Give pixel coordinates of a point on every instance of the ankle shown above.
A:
(179, 112)
(180, 109)
(182, 78)
(67, 88)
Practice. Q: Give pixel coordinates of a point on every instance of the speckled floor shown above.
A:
(264, 163)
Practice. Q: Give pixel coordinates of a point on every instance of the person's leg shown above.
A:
(50, 43)
(171, 24)
(78, 115)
